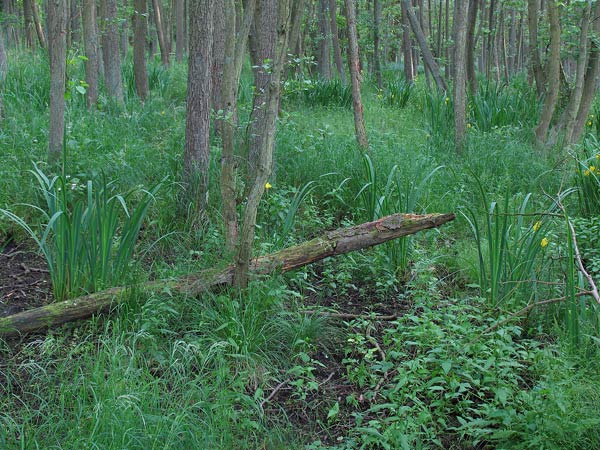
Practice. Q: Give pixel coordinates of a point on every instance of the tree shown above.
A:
(197, 130)
(335, 39)
(160, 30)
(460, 75)
(353, 61)
(140, 31)
(534, 49)
(377, 42)
(3, 69)
(324, 58)
(110, 48)
(553, 72)
(179, 29)
(57, 30)
(272, 25)
(91, 47)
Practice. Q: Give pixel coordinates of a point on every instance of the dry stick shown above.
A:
(274, 392)
(522, 312)
(336, 315)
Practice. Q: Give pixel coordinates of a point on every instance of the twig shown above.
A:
(335, 315)
(522, 312)
(274, 392)
(590, 280)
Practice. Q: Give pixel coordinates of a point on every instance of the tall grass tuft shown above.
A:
(587, 177)
(89, 235)
(398, 93)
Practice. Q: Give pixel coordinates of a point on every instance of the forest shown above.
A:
(299, 224)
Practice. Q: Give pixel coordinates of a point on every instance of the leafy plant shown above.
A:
(398, 93)
(86, 242)
(587, 177)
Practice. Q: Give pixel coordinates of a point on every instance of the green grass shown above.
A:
(174, 372)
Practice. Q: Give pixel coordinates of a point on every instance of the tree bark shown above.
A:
(110, 48)
(553, 71)
(409, 74)
(534, 50)
(38, 24)
(470, 45)
(425, 50)
(160, 31)
(460, 75)
(324, 59)
(272, 22)
(591, 80)
(90, 42)
(377, 42)
(57, 29)
(355, 77)
(75, 22)
(29, 27)
(218, 49)
(335, 39)
(140, 31)
(330, 244)
(197, 131)
(3, 70)
(124, 41)
(179, 29)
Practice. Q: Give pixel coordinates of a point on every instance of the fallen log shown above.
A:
(332, 243)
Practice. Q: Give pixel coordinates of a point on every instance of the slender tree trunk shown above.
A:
(218, 51)
(75, 22)
(409, 74)
(3, 70)
(460, 75)
(197, 134)
(335, 38)
(90, 38)
(110, 48)
(273, 25)
(353, 60)
(470, 46)
(124, 34)
(160, 31)
(553, 71)
(298, 9)
(38, 24)
(29, 27)
(376, 42)
(490, 39)
(140, 31)
(324, 59)
(590, 82)
(228, 126)
(179, 29)
(534, 51)
(57, 28)
(512, 42)
(427, 55)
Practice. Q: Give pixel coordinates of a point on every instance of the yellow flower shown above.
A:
(544, 242)
(468, 125)
(591, 116)
(447, 100)
(589, 124)
(536, 226)
(586, 173)
(268, 185)
(162, 113)
(592, 169)
(598, 156)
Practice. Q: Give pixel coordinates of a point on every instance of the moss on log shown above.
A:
(332, 243)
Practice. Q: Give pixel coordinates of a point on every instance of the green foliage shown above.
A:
(398, 93)
(588, 230)
(327, 93)
(509, 248)
(587, 177)
(85, 241)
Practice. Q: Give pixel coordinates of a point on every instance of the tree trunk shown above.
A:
(376, 42)
(110, 48)
(427, 55)
(324, 59)
(218, 49)
(38, 24)
(409, 74)
(335, 38)
(75, 22)
(534, 50)
(160, 31)
(582, 62)
(553, 71)
(331, 244)
(140, 31)
(3, 69)
(57, 28)
(90, 38)
(470, 46)
(355, 77)
(460, 75)
(272, 23)
(29, 27)
(179, 29)
(298, 8)
(197, 131)
(124, 35)
(591, 80)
